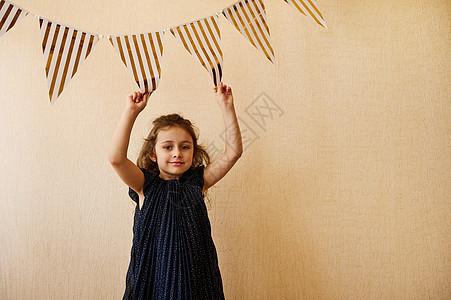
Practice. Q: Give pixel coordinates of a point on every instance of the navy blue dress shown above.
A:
(173, 255)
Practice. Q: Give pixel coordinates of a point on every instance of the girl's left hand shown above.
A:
(224, 95)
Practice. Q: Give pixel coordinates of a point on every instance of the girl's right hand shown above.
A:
(137, 101)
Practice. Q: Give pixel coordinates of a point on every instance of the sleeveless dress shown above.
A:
(173, 255)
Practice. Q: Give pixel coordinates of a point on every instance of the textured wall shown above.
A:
(343, 196)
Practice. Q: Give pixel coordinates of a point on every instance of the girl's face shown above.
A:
(174, 150)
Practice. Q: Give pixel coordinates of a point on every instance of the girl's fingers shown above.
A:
(220, 88)
(138, 96)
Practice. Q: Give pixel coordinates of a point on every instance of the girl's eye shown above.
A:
(167, 147)
(185, 147)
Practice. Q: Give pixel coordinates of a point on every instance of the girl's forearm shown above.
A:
(121, 137)
(233, 143)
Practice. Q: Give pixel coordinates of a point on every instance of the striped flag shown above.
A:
(10, 14)
(65, 49)
(309, 8)
(203, 40)
(141, 55)
(249, 17)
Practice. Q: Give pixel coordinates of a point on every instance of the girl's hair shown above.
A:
(200, 155)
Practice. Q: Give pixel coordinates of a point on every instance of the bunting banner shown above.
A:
(141, 54)
(65, 49)
(249, 17)
(10, 14)
(203, 40)
(309, 8)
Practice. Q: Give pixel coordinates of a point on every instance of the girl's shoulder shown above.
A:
(195, 176)
(149, 178)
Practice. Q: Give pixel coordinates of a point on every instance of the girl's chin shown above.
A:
(183, 166)
(174, 172)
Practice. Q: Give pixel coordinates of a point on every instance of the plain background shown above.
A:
(344, 195)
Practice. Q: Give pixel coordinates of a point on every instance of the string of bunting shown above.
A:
(65, 48)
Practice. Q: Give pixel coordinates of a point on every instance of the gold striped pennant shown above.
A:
(203, 40)
(65, 49)
(249, 17)
(10, 14)
(309, 8)
(141, 55)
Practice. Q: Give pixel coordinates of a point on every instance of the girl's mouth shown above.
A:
(176, 163)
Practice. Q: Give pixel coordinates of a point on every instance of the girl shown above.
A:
(173, 255)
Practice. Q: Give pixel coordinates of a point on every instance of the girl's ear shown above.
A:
(152, 157)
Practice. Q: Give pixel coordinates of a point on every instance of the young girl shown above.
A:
(173, 255)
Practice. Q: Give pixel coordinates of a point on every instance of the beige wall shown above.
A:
(344, 196)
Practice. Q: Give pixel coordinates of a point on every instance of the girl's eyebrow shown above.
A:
(169, 141)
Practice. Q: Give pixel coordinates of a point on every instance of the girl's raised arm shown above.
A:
(130, 174)
(233, 144)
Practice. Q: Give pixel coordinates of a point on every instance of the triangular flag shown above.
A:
(141, 55)
(249, 17)
(203, 40)
(10, 14)
(65, 49)
(309, 8)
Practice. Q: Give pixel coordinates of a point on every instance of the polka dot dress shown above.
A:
(173, 255)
